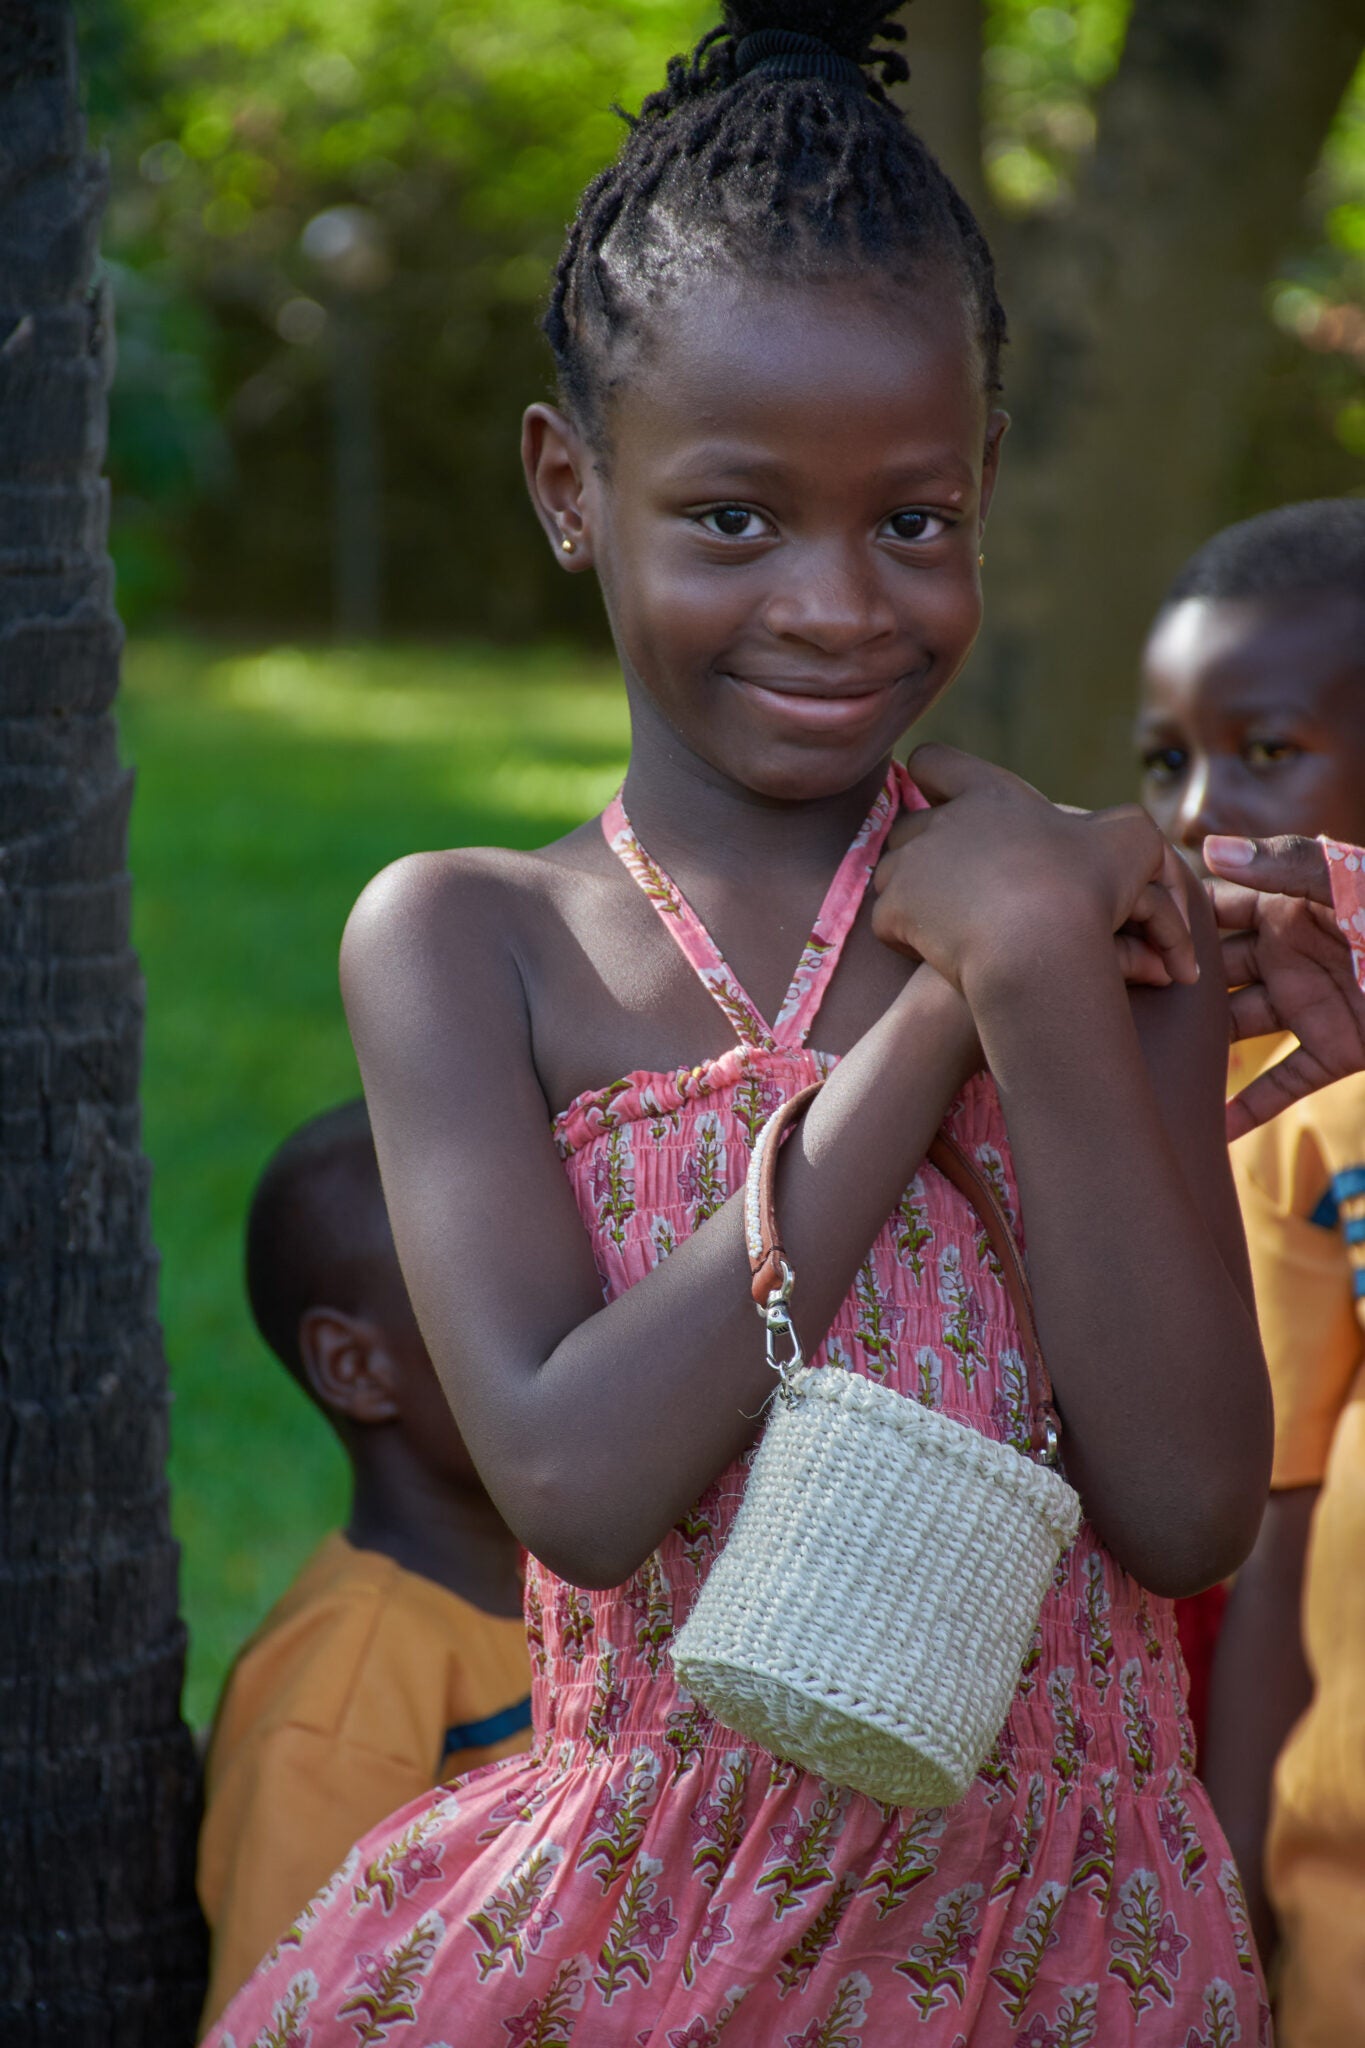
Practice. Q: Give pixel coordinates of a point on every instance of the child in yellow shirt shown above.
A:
(1253, 723)
(398, 1656)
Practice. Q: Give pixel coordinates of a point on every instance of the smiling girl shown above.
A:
(778, 342)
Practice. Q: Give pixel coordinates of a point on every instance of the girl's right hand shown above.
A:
(993, 881)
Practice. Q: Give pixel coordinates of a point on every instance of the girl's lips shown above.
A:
(844, 712)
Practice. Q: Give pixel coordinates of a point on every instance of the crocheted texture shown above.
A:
(870, 1612)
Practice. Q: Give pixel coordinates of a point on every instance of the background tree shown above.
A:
(99, 1933)
(1141, 342)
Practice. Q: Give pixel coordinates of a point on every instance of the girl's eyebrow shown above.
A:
(718, 463)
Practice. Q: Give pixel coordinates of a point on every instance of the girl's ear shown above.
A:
(347, 1367)
(990, 464)
(556, 463)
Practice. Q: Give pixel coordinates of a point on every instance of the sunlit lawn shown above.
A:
(270, 786)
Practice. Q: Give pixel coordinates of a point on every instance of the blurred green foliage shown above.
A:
(271, 786)
(1044, 67)
(464, 131)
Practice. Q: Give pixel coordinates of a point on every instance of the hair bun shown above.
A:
(785, 53)
(847, 27)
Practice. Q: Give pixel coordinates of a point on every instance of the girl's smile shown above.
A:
(815, 704)
(785, 519)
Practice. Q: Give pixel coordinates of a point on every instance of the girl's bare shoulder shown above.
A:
(467, 905)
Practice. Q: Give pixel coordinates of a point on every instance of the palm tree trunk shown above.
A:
(100, 1940)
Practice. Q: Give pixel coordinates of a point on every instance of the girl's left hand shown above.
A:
(993, 869)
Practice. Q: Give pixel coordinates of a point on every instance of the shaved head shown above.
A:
(317, 1233)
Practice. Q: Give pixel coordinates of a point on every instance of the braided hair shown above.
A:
(773, 148)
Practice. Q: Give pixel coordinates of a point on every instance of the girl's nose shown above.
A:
(833, 602)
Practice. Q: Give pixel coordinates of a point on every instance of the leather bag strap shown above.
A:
(772, 1271)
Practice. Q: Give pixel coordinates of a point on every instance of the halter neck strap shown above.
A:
(822, 951)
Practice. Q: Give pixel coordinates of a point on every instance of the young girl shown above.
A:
(777, 337)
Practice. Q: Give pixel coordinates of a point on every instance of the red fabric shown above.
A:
(1197, 1622)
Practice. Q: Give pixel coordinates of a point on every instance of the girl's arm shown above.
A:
(1135, 1248)
(596, 1427)
(1261, 1685)
(1114, 1109)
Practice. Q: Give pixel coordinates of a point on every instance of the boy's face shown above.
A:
(1252, 719)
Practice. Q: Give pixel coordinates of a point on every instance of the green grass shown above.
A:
(271, 786)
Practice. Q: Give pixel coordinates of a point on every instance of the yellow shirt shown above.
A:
(1301, 1181)
(364, 1686)
(1301, 1184)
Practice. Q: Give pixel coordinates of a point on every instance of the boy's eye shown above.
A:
(911, 525)
(1270, 753)
(734, 522)
(1164, 764)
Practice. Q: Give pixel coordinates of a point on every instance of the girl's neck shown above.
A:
(682, 808)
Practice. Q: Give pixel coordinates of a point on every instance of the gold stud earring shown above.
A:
(566, 542)
(981, 561)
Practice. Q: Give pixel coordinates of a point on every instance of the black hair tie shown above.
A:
(785, 53)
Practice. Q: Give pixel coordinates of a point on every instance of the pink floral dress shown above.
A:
(646, 1876)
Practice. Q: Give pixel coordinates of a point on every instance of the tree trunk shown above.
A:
(100, 1940)
(943, 96)
(1140, 328)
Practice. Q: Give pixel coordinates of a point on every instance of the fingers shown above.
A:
(1285, 866)
(1139, 965)
(942, 772)
(1240, 963)
(1251, 1013)
(1290, 1079)
(908, 825)
(1162, 921)
(1175, 875)
(1236, 908)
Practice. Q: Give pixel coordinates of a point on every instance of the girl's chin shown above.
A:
(808, 761)
(805, 774)
(782, 748)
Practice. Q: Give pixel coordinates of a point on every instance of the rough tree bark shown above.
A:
(100, 1941)
(1139, 331)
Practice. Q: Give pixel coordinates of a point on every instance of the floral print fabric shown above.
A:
(647, 1877)
(1346, 868)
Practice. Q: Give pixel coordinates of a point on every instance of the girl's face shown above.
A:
(786, 522)
(1252, 720)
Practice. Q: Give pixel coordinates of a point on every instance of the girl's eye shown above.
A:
(917, 525)
(1164, 764)
(1260, 754)
(734, 522)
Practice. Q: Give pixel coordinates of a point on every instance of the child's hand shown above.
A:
(994, 879)
(1290, 969)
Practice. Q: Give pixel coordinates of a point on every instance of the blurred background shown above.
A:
(330, 234)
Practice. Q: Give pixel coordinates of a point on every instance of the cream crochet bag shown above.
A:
(872, 1607)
